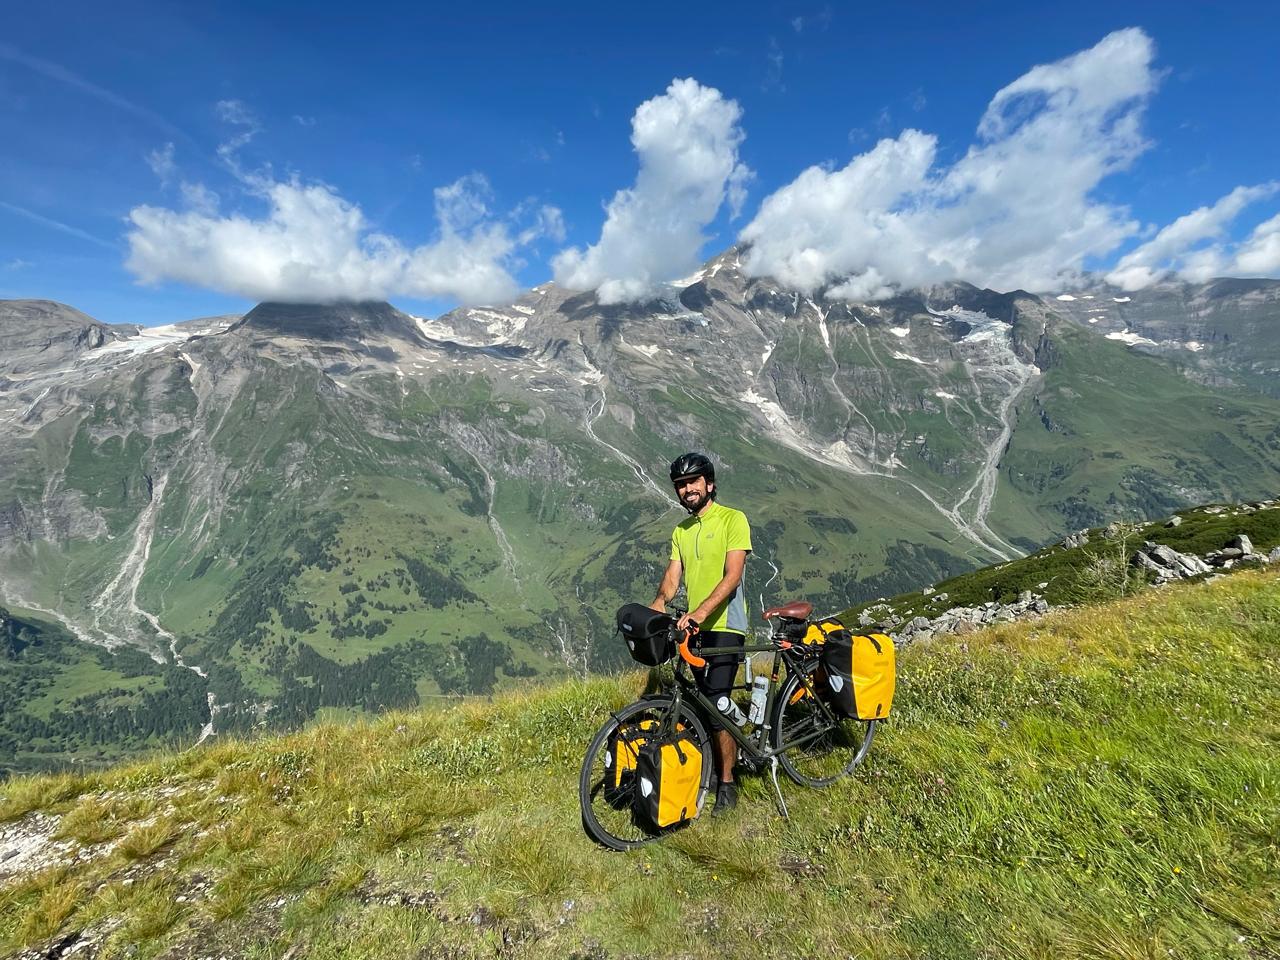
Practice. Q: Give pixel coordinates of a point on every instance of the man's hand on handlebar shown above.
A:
(687, 623)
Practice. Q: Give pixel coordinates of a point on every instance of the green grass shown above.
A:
(1100, 783)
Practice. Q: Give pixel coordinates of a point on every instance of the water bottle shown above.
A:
(731, 710)
(759, 696)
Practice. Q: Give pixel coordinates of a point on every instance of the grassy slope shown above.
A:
(1103, 782)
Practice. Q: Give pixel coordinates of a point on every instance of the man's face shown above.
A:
(692, 492)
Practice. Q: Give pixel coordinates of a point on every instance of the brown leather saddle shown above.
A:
(795, 610)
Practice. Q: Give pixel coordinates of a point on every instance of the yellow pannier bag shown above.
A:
(624, 748)
(861, 673)
(669, 780)
(817, 632)
(620, 760)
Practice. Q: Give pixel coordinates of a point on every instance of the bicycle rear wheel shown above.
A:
(607, 810)
(825, 746)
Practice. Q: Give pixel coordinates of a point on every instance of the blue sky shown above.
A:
(527, 115)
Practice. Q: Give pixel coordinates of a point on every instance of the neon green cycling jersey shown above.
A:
(701, 543)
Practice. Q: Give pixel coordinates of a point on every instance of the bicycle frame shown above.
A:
(755, 746)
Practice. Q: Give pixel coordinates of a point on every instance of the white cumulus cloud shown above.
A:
(687, 142)
(312, 245)
(1017, 210)
(1184, 248)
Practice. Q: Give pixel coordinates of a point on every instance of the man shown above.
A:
(709, 549)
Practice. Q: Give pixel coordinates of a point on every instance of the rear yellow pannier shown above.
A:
(861, 673)
(817, 632)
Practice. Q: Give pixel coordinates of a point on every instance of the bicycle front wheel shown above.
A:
(819, 746)
(608, 813)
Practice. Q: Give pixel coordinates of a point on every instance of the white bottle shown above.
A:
(731, 710)
(759, 696)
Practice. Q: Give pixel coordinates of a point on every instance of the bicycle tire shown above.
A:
(840, 744)
(609, 820)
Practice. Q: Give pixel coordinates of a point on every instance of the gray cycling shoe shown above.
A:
(726, 798)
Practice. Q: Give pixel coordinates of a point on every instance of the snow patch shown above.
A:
(1122, 299)
(1132, 339)
(942, 394)
(1195, 346)
(521, 308)
(764, 357)
(907, 356)
(1065, 297)
(644, 349)
(900, 331)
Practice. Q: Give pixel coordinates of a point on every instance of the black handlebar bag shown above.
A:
(647, 633)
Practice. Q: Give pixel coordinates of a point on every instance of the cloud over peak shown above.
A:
(687, 142)
(1017, 210)
(314, 246)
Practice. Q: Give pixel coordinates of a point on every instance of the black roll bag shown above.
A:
(647, 634)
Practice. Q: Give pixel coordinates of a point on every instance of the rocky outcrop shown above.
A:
(953, 620)
(38, 334)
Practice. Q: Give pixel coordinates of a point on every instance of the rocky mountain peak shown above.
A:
(37, 333)
(342, 322)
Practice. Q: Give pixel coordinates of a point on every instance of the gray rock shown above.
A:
(1230, 553)
(1025, 597)
(1140, 559)
(1241, 543)
(1192, 565)
(1173, 522)
(1165, 556)
(1274, 556)
(1041, 605)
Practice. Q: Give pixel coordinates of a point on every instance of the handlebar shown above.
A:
(689, 657)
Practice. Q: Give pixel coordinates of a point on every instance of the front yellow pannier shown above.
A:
(861, 673)
(668, 780)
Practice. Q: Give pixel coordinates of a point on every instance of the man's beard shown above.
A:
(697, 503)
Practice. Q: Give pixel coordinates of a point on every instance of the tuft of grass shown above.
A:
(22, 795)
(154, 910)
(33, 909)
(148, 839)
(90, 822)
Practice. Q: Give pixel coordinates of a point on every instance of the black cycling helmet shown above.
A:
(692, 465)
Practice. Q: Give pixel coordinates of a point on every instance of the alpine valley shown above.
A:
(319, 509)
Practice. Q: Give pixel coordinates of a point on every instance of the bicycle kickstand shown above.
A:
(777, 790)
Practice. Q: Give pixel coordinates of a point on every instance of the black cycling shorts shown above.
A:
(716, 678)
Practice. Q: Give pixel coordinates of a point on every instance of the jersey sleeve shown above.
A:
(738, 533)
(675, 547)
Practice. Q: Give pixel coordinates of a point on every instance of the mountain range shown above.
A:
(319, 508)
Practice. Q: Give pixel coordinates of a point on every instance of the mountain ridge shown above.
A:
(275, 508)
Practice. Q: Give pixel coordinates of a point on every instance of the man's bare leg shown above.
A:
(726, 754)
